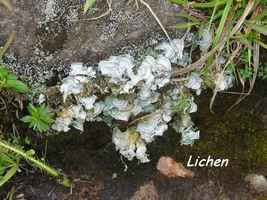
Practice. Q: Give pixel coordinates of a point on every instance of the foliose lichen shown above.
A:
(142, 95)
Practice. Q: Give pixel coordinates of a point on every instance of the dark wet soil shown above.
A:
(98, 172)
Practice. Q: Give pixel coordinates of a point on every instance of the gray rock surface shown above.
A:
(51, 34)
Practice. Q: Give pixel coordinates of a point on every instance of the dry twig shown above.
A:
(157, 19)
(109, 3)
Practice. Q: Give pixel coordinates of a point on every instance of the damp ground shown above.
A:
(99, 172)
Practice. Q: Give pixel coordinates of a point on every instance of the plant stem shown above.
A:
(156, 18)
(38, 163)
(7, 4)
(8, 43)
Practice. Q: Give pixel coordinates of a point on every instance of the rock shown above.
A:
(51, 34)
(146, 192)
(257, 182)
(209, 190)
(169, 167)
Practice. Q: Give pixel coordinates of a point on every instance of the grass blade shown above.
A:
(241, 20)
(35, 162)
(189, 17)
(185, 25)
(200, 5)
(262, 44)
(257, 27)
(10, 173)
(222, 22)
(87, 5)
(7, 4)
(7, 44)
(261, 16)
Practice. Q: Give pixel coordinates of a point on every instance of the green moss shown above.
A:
(238, 136)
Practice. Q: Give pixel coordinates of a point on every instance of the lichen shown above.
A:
(224, 81)
(206, 40)
(139, 94)
(194, 82)
(130, 145)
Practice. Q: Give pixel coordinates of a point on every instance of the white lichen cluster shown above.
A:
(50, 9)
(206, 40)
(224, 81)
(194, 82)
(140, 94)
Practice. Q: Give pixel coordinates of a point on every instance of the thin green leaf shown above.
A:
(261, 16)
(222, 22)
(245, 41)
(11, 193)
(218, 15)
(262, 44)
(180, 2)
(3, 73)
(30, 152)
(209, 4)
(212, 16)
(189, 17)
(7, 4)
(27, 119)
(35, 162)
(10, 173)
(257, 27)
(193, 4)
(32, 110)
(185, 25)
(17, 85)
(6, 159)
(40, 118)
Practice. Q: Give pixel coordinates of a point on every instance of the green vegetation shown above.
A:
(182, 105)
(232, 34)
(10, 160)
(9, 81)
(237, 28)
(87, 5)
(9, 165)
(263, 72)
(40, 118)
(12, 153)
(6, 4)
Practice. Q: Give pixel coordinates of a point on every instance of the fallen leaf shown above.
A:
(169, 167)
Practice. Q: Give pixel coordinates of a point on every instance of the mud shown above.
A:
(98, 172)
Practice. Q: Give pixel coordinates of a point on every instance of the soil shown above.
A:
(98, 171)
(51, 35)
